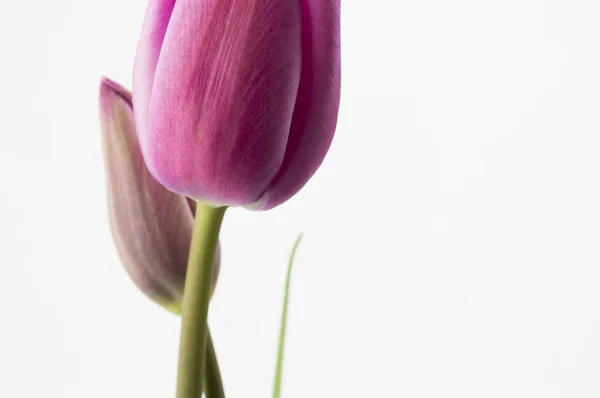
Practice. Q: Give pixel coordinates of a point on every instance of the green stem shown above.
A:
(196, 296)
(213, 387)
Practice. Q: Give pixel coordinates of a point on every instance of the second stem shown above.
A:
(196, 296)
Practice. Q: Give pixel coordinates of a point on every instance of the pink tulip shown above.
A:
(151, 226)
(236, 101)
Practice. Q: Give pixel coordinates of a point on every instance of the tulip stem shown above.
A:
(196, 296)
(213, 385)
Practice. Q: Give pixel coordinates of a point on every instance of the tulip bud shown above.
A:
(236, 101)
(151, 226)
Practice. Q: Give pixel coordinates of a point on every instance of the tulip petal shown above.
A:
(151, 226)
(223, 97)
(317, 104)
(156, 21)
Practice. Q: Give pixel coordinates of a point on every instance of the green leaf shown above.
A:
(286, 300)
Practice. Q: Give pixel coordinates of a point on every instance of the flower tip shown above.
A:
(110, 90)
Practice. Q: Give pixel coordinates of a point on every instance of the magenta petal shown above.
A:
(222, 98)
(316, 110)
(151, 226)
(154, 28)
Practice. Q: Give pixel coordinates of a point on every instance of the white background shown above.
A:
(452, 241)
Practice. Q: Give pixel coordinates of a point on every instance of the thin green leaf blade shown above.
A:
(282, 333)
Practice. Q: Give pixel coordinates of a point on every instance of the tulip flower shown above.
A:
(151, 226)
(236, 101)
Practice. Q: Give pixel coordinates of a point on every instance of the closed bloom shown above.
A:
(151, 226)
(236, 101)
